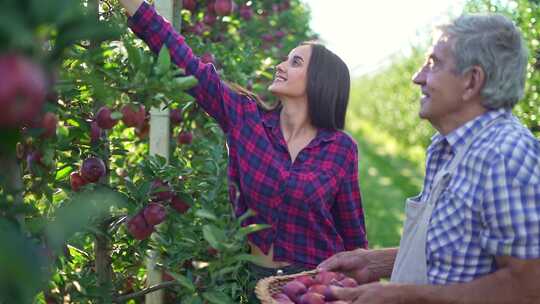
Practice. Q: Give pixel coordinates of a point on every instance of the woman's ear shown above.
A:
(475, 79)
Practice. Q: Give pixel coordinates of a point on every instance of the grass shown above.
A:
(388, 174)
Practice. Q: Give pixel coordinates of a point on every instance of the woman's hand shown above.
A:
(131, 6)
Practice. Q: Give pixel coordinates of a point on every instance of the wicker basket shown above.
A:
(270, 286)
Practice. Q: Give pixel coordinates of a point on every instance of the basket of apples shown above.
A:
(309, 287)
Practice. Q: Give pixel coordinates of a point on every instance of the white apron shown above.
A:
(411, 262)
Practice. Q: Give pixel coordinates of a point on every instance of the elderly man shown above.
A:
(473, 234)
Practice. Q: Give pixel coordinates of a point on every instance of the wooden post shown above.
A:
(160, 145)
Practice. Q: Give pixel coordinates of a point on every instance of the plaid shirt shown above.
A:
(312, 205)
(492, 204)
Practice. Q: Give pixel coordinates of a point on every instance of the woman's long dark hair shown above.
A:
(328, 87)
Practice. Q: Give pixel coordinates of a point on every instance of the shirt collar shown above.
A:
(457, 137)
(270, 119)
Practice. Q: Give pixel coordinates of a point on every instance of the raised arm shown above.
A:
(131, 6)
(216, 98)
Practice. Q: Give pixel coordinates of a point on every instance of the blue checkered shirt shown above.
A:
(491, 206)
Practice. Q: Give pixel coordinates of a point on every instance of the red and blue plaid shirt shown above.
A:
(313, 204)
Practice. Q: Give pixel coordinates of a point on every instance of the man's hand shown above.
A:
(131, 6)
(363, 265)
(373, 293)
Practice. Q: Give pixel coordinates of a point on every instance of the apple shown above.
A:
(327, 277)
(245, 12)
(138, 227)
(211, 7)
(348, 282)
(285, 5)
(279, 34)
(311, 298)
(223, 7)
(133, 116)
(160, 191)
(317, 288)
(212, 251)
(179, 205)
(154, 213)
(48, 123)
(76, 181)
(23, 88)
(176, 116)
(209, 19)
(190, 5)
(34, 159)
(93, 169)
(208, 58)
(282, 298)
(95, 132)
(167, 277)
(185, 138)
(307, 280)
(142, 132)
(267, 37)
(294, 289)
(104, 119)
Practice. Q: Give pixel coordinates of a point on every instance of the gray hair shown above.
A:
(494, 43)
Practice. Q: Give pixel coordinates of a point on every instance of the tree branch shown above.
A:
(141, 293)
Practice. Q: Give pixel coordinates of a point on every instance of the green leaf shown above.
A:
(134, 55)
(246, 257)
(203, 213)
(217, 297)
(164, 61)
(185, 83)
(213, 235)
(61, 174)
(242, 232)
(183, 281)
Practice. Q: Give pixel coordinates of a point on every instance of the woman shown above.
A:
(293, 165)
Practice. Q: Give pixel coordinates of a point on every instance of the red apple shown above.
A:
(154, 213)
(167, 277)
(327, 277)
(209, 19)
(208, 58)
(93, 169)
(95, 132)
(138, 227)
(282, 298)
(211, 7)
(294, 289)
(104, 119)
(34, 159)
(223, 7)
(133, 116)
(267, 37)
(160, 191)
(212, 251)
(307, 280)
(311, 298)
(23, 88)
(317, 288)
(142, 132)
(285, 5)
(348, 282)
(176, 116)
(76, 181)
(245, 12)
(185, 138)
(279, 34)
(48, 124)
(190, 5)
(179, 205)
